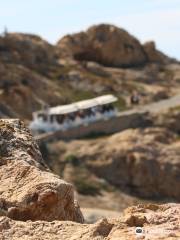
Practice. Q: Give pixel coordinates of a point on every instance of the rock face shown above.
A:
(25, 62)
(22, 91)
(105, 44)
(110, 46)
(28, 50)
(154, 55)
(158, 222)
(143, 161)
(28, 190)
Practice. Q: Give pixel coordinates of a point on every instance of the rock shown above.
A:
(161, 95)
(154, 55)
(27, 60)
(169, 119)
(28, 50)
(105, 44)
(157, 222)
(96, 69)
(28, 190)
(19, 97)
(74, 76)
(144, 162)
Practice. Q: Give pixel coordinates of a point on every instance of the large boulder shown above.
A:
(28, 190)
(105, 44)
(157, 222)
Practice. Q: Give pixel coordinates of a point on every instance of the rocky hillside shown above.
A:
(24, 90)
(104, 59)
(28, 50)
(130, 167)
(29, 191)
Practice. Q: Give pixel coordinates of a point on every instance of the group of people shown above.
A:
(73, 119)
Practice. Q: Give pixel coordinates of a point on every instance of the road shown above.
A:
(163, 104)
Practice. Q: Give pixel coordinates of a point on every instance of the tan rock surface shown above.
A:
(158, 222)
(28, 190)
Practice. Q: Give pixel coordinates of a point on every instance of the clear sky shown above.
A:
(146, 19)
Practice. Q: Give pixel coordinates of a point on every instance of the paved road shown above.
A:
(163, 104)
(156, 107)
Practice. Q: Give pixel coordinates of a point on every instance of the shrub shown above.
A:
(87, 187)
(72, 159)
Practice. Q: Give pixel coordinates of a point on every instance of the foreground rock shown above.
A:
(158, 222)
(28, 190)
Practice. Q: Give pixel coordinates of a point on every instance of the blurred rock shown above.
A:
(97, 69)
(143, 162)
(28, 50)
(24, 91)
(92, 215)
(105, 44)
(155, 55)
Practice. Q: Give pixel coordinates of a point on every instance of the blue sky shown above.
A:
(146, 19)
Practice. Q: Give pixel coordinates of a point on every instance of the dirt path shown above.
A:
(163, 104)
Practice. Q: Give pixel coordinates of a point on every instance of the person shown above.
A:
(135, 98)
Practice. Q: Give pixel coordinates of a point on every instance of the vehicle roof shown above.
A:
(81, 105)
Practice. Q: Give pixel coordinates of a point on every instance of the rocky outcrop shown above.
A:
(144, 162)
(31, 70)
(105, 44)
(110, 46)
(23, 91)
(28, 50)
(154, 55)
(157, 222)
(28, 190)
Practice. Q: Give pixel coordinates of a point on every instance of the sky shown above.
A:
(157, 20)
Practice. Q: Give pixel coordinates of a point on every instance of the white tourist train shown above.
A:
(65, 117)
